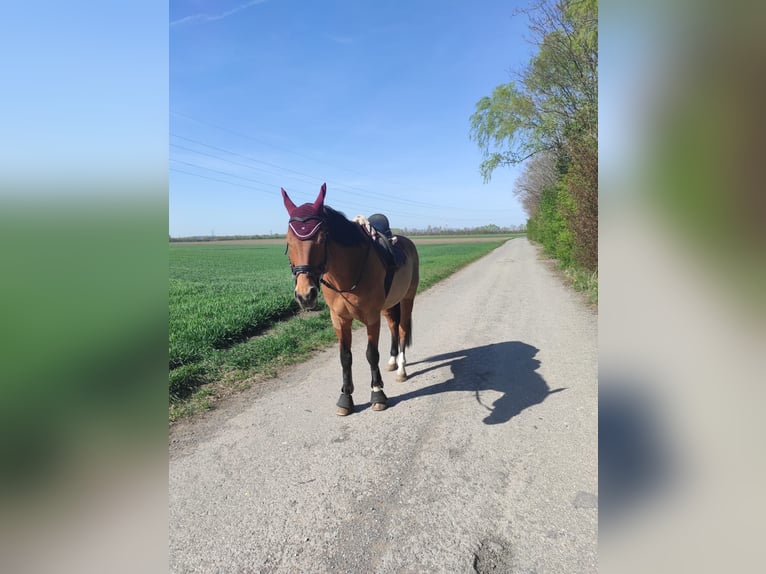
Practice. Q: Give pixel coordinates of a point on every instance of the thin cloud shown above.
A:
(213, 17)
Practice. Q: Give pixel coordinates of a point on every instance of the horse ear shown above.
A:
(320, 198)
(289, 205)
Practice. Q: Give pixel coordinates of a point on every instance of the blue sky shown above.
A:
(373, 98)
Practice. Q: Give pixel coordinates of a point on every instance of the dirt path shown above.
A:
(486, 460)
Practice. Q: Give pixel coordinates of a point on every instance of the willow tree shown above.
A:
(552, 107)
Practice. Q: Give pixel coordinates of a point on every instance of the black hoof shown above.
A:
(378, 397)
(345, 402)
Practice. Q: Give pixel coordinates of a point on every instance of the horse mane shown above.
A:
(342, 230)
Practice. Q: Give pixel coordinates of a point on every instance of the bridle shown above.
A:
(310, 270)
(318, 271)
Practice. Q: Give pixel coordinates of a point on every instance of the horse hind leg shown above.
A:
(401, 363)
(405, 338)
(393, 315)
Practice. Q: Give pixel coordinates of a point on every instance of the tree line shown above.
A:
(547, 121)
(490, 229)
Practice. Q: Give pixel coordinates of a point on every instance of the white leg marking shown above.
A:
(376, 389)
(392, 360)
(401, 362)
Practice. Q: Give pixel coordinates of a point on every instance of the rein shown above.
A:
(358, 279)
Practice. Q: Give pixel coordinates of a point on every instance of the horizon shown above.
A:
(429, 230)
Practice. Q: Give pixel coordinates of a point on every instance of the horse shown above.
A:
(325, 248)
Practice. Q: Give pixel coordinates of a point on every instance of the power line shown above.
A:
(219, 171)
(270, 193)
(352, 204)
(335, 184)
(239, 163)
(339, 187)
(269, 144)
(219, 180)
(236, 154)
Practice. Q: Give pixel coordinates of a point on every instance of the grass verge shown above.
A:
(581, 280)
(584, 281)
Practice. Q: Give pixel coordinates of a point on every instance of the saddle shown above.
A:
(392, 255)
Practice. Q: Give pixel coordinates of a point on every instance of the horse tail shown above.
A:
(406, 323)
(395, 313)
(408, 336)
(403, 322)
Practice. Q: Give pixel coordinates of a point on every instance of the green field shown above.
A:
(220, 295)
(232, 315)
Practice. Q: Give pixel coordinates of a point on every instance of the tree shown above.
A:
(549, 115)
(582, 185)
(540, 172)
(555, 97)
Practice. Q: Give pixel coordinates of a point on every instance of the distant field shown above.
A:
(417, 239)
(232, 313)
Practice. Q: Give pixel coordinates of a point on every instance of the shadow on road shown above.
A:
(509, 367)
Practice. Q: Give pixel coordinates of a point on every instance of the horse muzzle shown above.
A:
(306, 290)
(307, 299)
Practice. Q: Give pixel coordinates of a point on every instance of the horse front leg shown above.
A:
(345, 403)
(377, 397)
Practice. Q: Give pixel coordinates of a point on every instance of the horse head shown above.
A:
(307, 246)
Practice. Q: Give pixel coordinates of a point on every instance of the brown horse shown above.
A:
(326, 248)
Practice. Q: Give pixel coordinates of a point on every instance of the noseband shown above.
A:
(310, 270)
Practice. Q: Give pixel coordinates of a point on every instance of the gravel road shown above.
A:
(485, 461)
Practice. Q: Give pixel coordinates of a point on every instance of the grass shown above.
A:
(220, 295)
(585, 281)
(232, 317)
(578, 278)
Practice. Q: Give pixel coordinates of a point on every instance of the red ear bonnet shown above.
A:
(289, 205)
(306, 219)
(319, 202)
